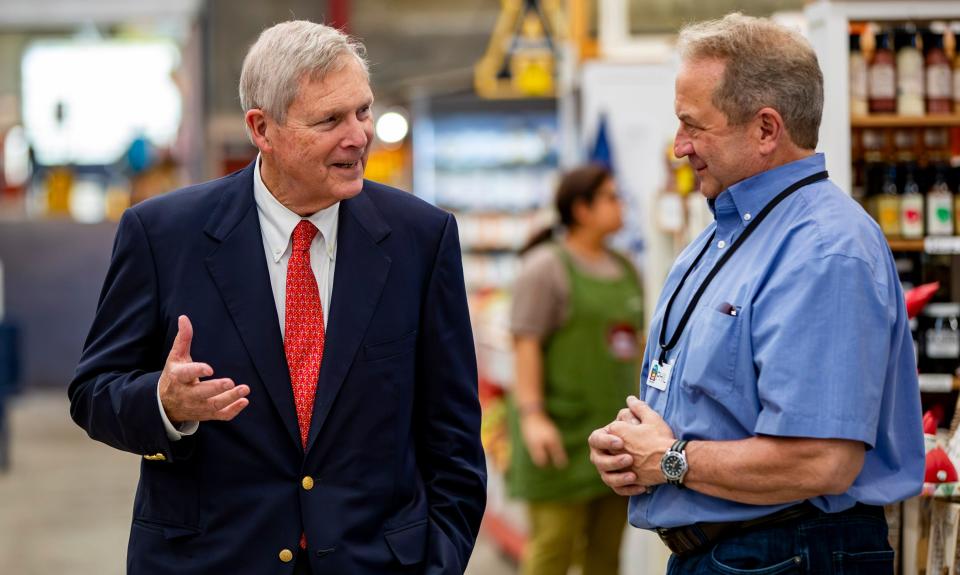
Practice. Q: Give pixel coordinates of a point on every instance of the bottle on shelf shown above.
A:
(939, 75)
(940, 205)
(940, 328)
(873, 169)
(909, 73)
(940, 178)
(911, 205)
(955, 34)
(882, 78)
(888, 204)
(858, 78)
(858, 160)
(936, 144)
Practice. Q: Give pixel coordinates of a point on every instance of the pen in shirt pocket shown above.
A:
(729, 309)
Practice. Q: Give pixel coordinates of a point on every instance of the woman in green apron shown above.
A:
(576, 316)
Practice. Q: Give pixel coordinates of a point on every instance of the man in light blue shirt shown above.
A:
(780, 407)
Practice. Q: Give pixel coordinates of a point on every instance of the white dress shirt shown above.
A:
(276, 226)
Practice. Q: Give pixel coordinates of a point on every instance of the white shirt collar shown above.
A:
(277, 221)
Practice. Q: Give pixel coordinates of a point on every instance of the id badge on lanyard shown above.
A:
(661, 369)
(659, 377)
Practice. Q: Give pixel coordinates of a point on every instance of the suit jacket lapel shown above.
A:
(239, 269)
(361, 272)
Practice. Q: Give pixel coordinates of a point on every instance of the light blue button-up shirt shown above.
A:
(819, 346)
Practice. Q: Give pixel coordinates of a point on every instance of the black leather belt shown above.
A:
(698, 537)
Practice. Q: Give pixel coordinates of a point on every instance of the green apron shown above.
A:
(591, 364)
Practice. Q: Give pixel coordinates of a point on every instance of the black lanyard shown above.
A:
(666, 346)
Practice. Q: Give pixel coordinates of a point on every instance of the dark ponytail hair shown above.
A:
(577, 185)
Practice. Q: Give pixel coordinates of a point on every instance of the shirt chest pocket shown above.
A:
(711, 355)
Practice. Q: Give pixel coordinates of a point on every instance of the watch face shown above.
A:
(673, 466)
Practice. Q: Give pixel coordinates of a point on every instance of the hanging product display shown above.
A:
(521, 58)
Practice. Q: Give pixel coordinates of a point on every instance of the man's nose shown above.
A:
(356, 135)
(682, 147)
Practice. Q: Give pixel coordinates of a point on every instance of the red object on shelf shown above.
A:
(919, 297)
(932, 419)
(939, 467)
(510, 539)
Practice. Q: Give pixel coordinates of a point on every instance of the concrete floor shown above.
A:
(65, 504)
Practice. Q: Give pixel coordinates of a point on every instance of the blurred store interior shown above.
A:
(480, 105)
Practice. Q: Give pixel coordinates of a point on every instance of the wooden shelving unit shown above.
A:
(893, 121)
(906, 245)
(934, 245)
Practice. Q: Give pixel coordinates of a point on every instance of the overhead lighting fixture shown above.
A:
(392, 127)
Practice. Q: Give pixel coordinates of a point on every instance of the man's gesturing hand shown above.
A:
(185, 397)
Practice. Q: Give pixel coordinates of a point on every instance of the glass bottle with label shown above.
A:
(888, 204)
(858, 78)
(939, 75)
(882, 78)
(940, 169)
(858, 191)
(873, 169)
(939, 207)
(911, 206)
(955, 32)
(910, 97)
(936, 144)
(940, 333)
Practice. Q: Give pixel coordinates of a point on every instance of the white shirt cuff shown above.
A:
(175, 433)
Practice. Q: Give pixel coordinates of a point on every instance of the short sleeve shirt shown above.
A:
(541, 293)
(819, 347)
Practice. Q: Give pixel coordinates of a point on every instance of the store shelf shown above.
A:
(906, 245)
(934, 245)
(828, 26)
(938, 383)
(894, 121)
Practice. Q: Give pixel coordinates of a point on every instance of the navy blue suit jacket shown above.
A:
(394, 445)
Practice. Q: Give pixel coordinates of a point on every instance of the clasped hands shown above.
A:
(627, 451)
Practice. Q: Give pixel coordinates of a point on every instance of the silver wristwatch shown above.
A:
(673, 464)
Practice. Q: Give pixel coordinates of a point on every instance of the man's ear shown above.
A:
(770, 130)
(257, 126)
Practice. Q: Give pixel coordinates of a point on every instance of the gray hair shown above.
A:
(767, 65)
(283, 54)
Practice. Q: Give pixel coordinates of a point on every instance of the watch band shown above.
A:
(679, 446)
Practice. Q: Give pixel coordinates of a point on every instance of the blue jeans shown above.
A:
(847, 543)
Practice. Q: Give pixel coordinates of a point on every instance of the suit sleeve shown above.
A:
(449, 452)
(113, 395)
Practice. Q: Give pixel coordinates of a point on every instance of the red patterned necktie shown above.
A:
(303, 340)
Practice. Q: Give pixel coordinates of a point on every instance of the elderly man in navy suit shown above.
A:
(289, 349)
